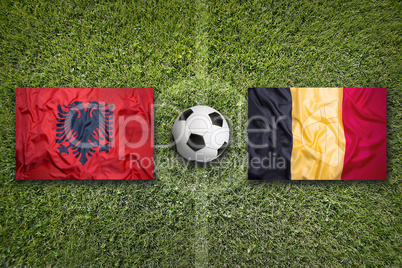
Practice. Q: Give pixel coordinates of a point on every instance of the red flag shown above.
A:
(84, 133)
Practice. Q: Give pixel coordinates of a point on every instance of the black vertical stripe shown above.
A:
(270, 138)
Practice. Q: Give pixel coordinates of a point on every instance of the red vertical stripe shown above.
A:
(364, 114)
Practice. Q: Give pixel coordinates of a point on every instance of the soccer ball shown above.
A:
(201, 134)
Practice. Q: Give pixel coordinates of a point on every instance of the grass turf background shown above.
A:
(200, 52)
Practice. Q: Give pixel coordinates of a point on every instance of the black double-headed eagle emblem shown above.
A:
(84, 128)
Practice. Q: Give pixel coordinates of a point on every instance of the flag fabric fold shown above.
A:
(317, 133)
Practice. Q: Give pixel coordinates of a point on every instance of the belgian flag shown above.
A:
(317, 133)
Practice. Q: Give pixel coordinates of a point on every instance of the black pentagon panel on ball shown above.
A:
(223, 147)
(196, 142)
(216, 119)
(186, 114)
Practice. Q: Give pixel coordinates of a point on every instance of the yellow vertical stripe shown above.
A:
(318, 135)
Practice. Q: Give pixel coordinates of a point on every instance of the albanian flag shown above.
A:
(84, 133)
(317, 133)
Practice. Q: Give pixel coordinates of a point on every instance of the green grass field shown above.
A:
(200, 53)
